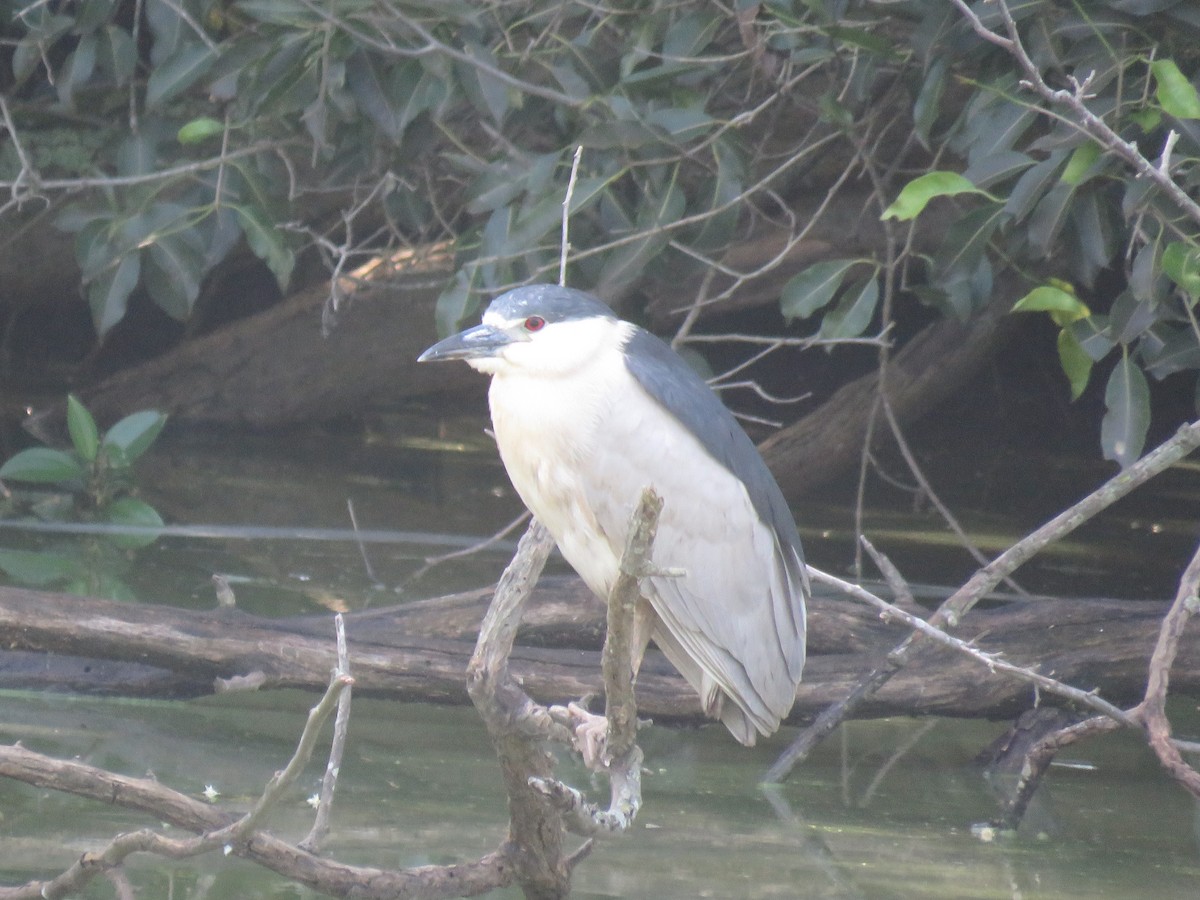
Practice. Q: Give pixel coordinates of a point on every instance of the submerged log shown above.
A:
(420, 652)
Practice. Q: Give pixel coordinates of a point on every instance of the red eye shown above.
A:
(534, 323)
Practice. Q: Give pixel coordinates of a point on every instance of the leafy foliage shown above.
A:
(91, 482)
(702, 126)
(1074, 216)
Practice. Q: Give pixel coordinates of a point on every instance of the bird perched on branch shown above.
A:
(588, 410)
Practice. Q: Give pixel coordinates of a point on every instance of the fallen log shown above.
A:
(420, 652)
(278, 368)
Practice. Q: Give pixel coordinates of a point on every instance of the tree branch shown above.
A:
(984, 580)
(1085, 120)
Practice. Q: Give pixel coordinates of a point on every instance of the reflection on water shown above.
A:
(420, 784)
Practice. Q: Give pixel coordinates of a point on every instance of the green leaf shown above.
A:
(813, 288)
(33, 48)
(390, 96)
(1127, 399)
(1048, 219)
(453, 304)
(137, 513)
(1092, 335)
(492, 93)
(966, 241)
(77, 70)
(134, 434)
(1032, 185)
(997, 167)
(1081, 160)
(82, 428)
(853, 313)
(917, 193)
(108, 294)
(928, 103)
(1075, 362)
(172, 272)
(267, 242)
(1064, 307)
(1175, 93)
(118, 56)
(688, 35)
(1181, 262)
(43, 465)
(1146, 119)
(1177, 351)
(199, 130)
(178, 72)
(39, 567)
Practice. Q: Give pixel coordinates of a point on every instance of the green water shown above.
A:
(862, 818)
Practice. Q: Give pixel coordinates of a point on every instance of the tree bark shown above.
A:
(403, 653)
(275, 368)
(929, 369)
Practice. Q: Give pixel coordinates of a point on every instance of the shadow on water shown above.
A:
(882, 810)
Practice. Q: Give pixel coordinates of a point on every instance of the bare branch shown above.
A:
(337, 747)
(1084, 119)
(1153, 709)
(565, 243)
(622, 758)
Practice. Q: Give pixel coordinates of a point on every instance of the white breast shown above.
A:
(546, 426)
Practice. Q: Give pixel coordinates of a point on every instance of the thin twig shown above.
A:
(110, 181)
(564, 248)
(362, 548)
(993, 662)
(1185, 440)
(622, 757)
(434, 561)
(337, 747)
(1153, 708)
(283, 779)
(1086, 120)
(910, 459)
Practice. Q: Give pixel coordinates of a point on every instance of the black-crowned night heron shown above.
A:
(589, 410)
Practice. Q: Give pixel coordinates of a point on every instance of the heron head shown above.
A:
(536, 330)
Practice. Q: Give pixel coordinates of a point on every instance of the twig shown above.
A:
(1036, 760)
(930, 629)
(487, 672)
(186, 17)
(432, 562)
(434, 46)
(234, 835)
(1152, 710)
(620, 707)
(337, 747)
(362, 548)
(891, 575)
(28, 175)
(109, 181)
(1185, 440)
(1088, 121)
(947, 515)
(284, 778)
(564, 247)
(623, 758)
(517, 725)
(148, 796)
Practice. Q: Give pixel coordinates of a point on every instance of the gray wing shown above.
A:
(738, 613)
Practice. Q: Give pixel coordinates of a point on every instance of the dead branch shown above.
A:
(1153, 709)
(1082, 118)
(984, 580)
(215, 828)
